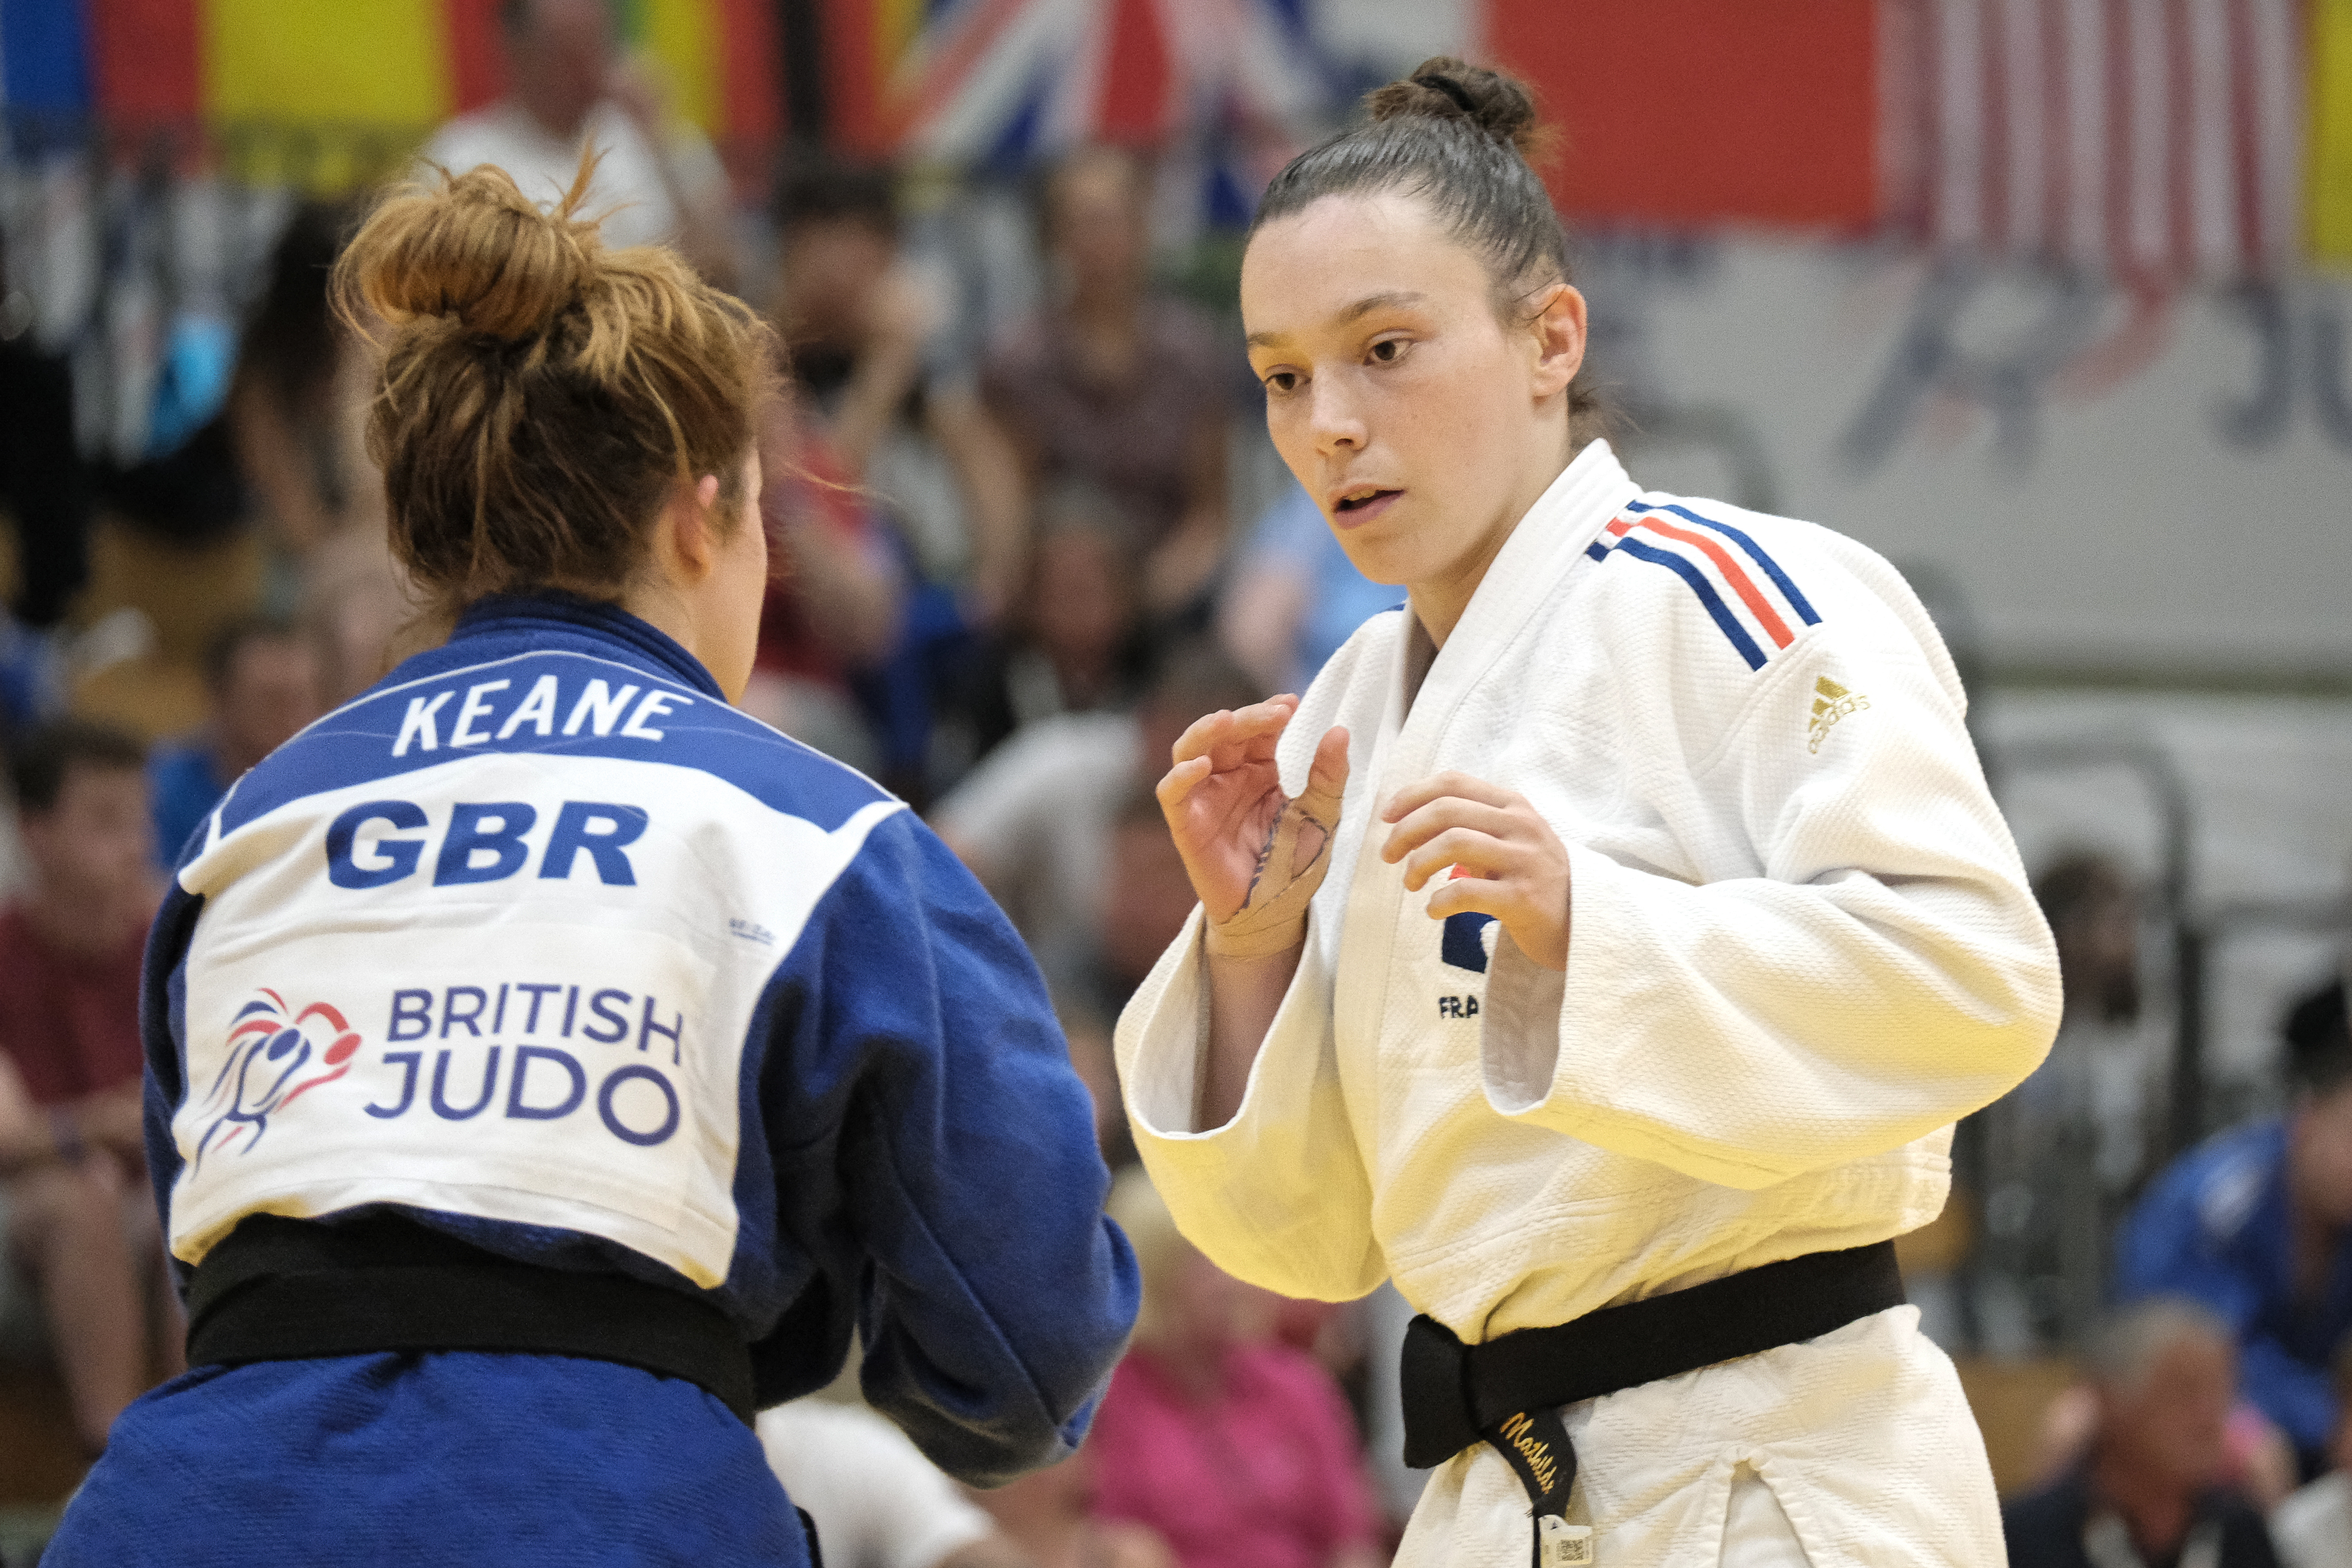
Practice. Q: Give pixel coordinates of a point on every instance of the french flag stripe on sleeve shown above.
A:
(1753, 613)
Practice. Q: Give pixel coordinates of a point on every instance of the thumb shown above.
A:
(1327, 779)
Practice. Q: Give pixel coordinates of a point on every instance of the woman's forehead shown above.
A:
(1327, 266)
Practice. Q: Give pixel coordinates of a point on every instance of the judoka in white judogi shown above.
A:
(1800, 946)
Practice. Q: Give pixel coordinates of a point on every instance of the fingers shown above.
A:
(1227, 735)
(1180, 781)
(1413, 796)
(1474, 854)
(1445, 813)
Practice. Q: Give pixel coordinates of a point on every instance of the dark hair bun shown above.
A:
(481, 253)
(1444, 88)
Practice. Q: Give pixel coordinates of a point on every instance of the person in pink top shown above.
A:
(1237, 1450)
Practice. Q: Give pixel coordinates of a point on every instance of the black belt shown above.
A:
(288, 1289)
(1508, 1391)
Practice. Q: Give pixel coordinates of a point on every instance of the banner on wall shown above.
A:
(2154, 140)
(392, 69)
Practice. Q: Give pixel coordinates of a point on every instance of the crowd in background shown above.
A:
(1006, 580)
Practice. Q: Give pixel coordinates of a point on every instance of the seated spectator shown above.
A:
(1236, 1450)
(1036, 819)
(876, 1501)
(72, 1147)
(1049, 1516)
(833, 597)
(265, 683)
(1115, 385)
(2164, 1376)
(1294, 596)
(2313, 1529)
(858, 321)
(2253, 1223)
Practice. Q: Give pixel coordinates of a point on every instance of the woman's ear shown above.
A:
(1558, 328)
(692, 528)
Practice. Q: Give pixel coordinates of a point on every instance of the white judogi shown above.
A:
(1800, 946)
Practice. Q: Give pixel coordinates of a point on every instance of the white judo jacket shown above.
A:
(1800, 946)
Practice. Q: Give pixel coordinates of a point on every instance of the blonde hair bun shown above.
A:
(478, 252)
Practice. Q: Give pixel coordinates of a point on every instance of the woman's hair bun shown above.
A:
(1444, 88)
(478, 252)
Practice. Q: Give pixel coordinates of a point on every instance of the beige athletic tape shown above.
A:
(1273, 918)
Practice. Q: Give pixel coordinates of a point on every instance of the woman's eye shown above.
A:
(1282, 381)
(1388, 351)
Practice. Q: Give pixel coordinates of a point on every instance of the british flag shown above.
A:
(966, 82)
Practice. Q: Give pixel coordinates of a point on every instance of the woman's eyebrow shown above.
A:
(1394, 299)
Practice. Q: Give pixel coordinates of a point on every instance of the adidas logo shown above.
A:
(1832, 702)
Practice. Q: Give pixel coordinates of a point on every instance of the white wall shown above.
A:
(2120, 527)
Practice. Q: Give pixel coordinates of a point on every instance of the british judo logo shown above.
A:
(275, 1056)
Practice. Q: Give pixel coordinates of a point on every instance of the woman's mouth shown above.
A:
(1358, 507)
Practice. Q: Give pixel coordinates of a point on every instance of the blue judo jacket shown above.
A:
(2216, 1226)
(542, 944)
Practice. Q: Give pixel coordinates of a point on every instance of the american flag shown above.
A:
(2154, 140)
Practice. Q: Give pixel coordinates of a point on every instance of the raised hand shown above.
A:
(1254, 856)
(1506, 862)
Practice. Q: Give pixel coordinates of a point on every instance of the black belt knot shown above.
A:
(1507, 1391)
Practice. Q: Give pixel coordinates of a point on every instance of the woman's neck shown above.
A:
(1439, 600)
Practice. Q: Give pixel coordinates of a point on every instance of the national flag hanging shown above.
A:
(391, 70)
(964, 81)
(2151, 139)
(2160, 141)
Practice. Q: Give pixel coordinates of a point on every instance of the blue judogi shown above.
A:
(2216, 1227)
(542, 944)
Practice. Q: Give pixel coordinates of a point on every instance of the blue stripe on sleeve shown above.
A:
(1596, 550)
(1797, 601)
(1706, 596)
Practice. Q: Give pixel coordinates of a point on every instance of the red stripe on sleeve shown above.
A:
(1741, 583)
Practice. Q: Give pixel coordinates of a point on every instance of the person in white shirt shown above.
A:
(2313, 1528)
(876, 1501)
(660, 182)
(1604, 945)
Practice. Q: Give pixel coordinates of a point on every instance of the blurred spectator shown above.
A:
(1075, 640)
(1038, 820)
(265, 682)
(2065, 1148)
(1294, 596)
(43, 487)
(2252, 1223)
(1113, 385)
(1095, 1058)
(567, 89)
(877, 1502)
(835, 594)
(2313, 1529)
(71, 1146)
(1049, 1515)
(2164, 1376)
(857, 316)
(289, 411)
(1236, 1450)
